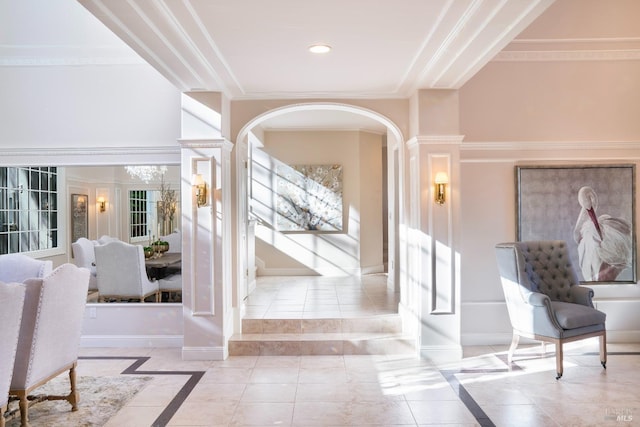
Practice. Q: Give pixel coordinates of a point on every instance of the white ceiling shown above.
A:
(258, 49)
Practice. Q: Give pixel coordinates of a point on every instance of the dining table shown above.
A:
(157, 266)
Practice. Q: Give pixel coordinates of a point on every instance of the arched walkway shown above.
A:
(340, 290)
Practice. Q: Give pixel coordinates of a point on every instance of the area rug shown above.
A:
(100, 399)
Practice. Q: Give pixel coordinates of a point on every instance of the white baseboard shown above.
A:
(441, 353)
(497, 338)
(374, 269)
(205, 353)
(622, 337)
(132, 341)
(328, 272)
(618, 337)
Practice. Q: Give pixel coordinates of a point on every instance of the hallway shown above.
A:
(320, 297)
(319, 315)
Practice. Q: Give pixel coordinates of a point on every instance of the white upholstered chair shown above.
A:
(104, 239)
(18, 267)
(172, 287)
(50, 334)
(544, 299)
(84, 256)
(11, 304)
(175, 241)
(121, 273)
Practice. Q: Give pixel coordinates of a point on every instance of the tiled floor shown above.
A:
(381, 390)
(371, 390)
(320, 297)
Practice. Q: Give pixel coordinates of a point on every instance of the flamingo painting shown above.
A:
(604, 242)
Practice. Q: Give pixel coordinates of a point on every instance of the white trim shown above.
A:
(435, 140)
(548, 145)
(578, 41)
(328, 271)
(372, 269)
(90, 156)
(567, 55)
(205, 353)
(492, 338)
(483, 339)
(441, 353)
(132, 341)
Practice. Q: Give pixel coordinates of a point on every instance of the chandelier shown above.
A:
(146, 173)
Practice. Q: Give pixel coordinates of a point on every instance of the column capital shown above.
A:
(206, 143)
(435, 140)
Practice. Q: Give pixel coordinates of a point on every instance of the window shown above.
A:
(28, 209)
(138, 215)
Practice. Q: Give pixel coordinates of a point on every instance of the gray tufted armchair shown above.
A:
(544, 298)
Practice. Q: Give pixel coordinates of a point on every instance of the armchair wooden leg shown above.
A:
(74, 396)
(24, 409)
(512, 348)
(559, 356)
(603, 350)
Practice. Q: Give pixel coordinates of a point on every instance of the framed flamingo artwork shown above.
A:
(591, 208)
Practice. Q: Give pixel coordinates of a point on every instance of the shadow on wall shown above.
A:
(300, 215)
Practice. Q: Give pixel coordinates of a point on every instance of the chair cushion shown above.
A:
(572, 316)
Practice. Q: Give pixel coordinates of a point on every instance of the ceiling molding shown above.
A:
(567, 55)
(111, 20)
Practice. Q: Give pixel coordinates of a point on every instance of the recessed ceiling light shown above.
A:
(319, 48)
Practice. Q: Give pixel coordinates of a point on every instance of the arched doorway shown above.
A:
(346, 116)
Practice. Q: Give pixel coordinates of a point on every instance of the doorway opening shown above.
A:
(318, 227)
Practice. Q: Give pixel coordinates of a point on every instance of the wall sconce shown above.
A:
(441, 180)
(102, 204)
(197, 182)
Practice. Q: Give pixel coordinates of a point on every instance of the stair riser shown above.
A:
(391, 324)
(324, 347)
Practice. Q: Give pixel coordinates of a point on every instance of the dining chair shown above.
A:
(84, 255)
(121, 273)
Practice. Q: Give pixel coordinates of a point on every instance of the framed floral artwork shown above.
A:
(309, 198)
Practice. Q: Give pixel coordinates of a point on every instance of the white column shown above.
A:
(434, 245)
(206, 250)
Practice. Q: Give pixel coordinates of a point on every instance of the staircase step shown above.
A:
(297, 344)
(391, 323)
(381, 334)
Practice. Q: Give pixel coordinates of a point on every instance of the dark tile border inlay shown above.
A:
(449, 374)
(468, 401)
(179, 398)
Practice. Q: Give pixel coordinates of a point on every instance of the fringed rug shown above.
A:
(100, 399)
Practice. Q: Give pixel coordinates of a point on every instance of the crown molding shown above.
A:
(549, 145)
(585, 49)
(567, 55)
(549, 151)
(90, 156)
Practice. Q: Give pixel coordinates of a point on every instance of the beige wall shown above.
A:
(538, 112)
(359, 247)
(552, 101)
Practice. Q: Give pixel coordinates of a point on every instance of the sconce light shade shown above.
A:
(200, 186)
(102, 204)
(441, 180)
